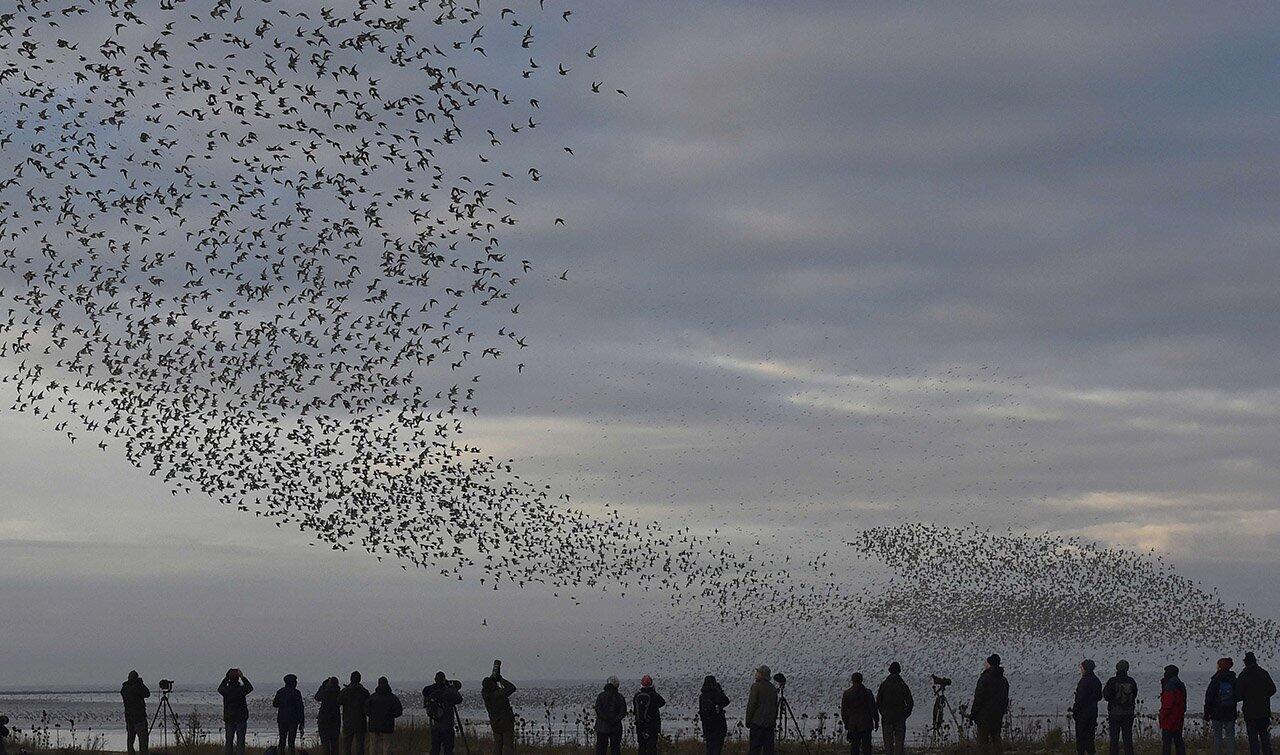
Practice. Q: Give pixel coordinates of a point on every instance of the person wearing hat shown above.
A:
(1256, 690)
(235, 688)
(289, 715)
(1121, 694)
(611, 708)
(1173, 712)
(1085, 708)
(858, 711)
(1220, 699)
(351, 700)
(647, 705)
(711, 704)
(894, 702)
(990, 704)
(134, 692)
(441, 700)
(762, 714)
(382, 710)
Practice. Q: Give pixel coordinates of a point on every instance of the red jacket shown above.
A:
(1173, 704)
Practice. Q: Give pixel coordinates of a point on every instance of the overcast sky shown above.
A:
(830, 267)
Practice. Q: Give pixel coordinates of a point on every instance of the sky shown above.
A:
(832, 266)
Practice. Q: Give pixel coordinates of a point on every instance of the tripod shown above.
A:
(462, 733)
(164, 714)
(785, 711)
(940, 707)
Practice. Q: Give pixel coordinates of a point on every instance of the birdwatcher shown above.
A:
(611, 709)
(860, 716)
(134, 692)
(1121, 694)
(329, 717)
(990, 704)
(894, 703)
(647, 706)
(762, 714)
(1220, 711)
(496, 693)
(1256, 690)
(1085, 708)
(235, 689)
(711, 704)
(1173, 712)
(441, 700)
(289, 715)
(352, 700)
(382, 710)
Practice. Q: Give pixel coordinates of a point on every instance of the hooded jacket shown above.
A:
(235, 707)
(647, 707)
(383, 708)
(1221, 695)
(288, 704)
(711, 704)
(893, 698)
(762, 704)
(1256, 689)
(611, 708)
(858, 709)
(990, 698)
(441, 701)
(135, 693)
(352, 698)
(1121, 694)
(1173, 704)
(329, 717)
(1088, 695)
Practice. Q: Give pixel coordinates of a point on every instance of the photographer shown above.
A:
(441, 701)
(496, 693)
(135, 693)
(235, 687)
(762, 714)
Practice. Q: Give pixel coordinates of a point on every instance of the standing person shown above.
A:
(4, 733)
(352, 700)
(990, 703)
(382, 710)
(1173, 711)
(1220, 708)
(858, 710)
(762, 714)
(1256, 689)
(1121, 694)
(235, 688)
(135, 693)
(711, 704)
(611, 708)
(894, 702)
(1085, 708)
(289, 715)
(647, 705)
(441, 700)
(329, 717)
(496, 692)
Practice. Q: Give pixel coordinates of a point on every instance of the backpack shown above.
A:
(435, 711)
(1126, 691)
(1226, 695)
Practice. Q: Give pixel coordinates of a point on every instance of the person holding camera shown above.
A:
(990, 704)
(329, 717)
(860, 715)
(289, 715)
(496, 693)
(382, 710)
(762, 714)
(352, 700)
(134, 693)
(235, 688)
(647, 706)
(895, 703)
(441, 701)
(611, 709)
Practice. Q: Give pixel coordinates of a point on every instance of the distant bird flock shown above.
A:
(257, 248)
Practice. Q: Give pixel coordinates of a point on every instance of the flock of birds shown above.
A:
(257, 246)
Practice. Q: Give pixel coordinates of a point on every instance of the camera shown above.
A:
(166, 685)
(780, 678)
(940, 681)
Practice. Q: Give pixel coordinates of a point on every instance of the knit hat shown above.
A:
(1088, 665)
(994, 659)
(646, 681)
(1250, 659)
(1170, 671)
(895, 668)
(856, 678)
(1122, 666)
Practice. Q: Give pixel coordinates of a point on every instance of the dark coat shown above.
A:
(990, 698)
(288, 705)
(1121, 694)
(496, 694)
(611, 708)
(647, 707)
(1088, 695)
(441, 701)
(893, 699)
(234, 705)
(135, 693)
(762, 705)
(4, 734)
(711, 704)
(1256, 689)
(382, 710)
(1173, 704)
(329, 717)
(1217, 705)
(352, 698)
(858, 709)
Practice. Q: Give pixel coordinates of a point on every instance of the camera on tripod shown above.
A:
(780, 679)
(940, 681)
(166, 685)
